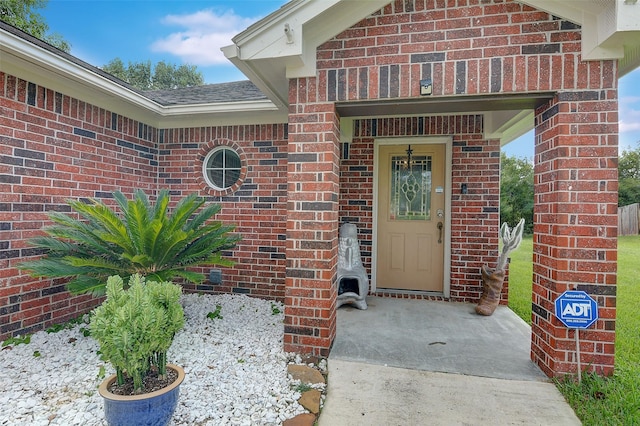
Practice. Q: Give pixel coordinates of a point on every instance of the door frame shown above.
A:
(422, 140)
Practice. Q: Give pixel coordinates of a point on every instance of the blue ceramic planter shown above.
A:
(150, 409)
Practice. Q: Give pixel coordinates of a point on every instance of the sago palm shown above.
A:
(144, 238)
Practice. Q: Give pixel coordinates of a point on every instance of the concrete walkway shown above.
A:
(413, 362)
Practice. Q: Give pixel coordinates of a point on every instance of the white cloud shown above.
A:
(629, 100)
(205, 32)
(624, 127)
(629, 106)
(629, 116)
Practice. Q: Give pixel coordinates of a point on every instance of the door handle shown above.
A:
(440, 232)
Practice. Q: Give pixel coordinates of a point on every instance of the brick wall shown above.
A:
(55, 147)
(312, 222)
(469, 47)
(481, 47)
(257, 204)
(475, 215)
(52, 148)
(575, 230)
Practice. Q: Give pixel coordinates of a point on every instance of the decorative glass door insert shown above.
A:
(410, 197)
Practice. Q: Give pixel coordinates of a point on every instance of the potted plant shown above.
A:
(493, 279)
(134, 328)
(143, 237)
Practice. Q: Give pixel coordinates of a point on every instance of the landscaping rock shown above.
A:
(305, 374)
(311, 400)
(305, 419)
(235, 363)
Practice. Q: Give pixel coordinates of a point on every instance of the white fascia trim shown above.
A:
(266, 38)
(607, 25)
(30, 53)
(507, 125)
(224, 119)
(618, 32)
(257, 29)
(279, 100)
(219, 108)
(564, 9)
(24, 60)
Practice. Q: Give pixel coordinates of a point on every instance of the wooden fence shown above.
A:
(628, 219)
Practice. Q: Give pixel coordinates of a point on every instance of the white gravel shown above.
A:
(236, 370)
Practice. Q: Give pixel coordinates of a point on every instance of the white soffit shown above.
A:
(507, 125)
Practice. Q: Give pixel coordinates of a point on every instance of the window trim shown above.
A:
(224, 168)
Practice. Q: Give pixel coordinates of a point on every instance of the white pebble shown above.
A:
(236, 370)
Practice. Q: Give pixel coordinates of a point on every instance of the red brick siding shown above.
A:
(312, 222)
(52, 148)
(467, 47)
(478, 47)
(257, 205)
(474, 48)
(55, 147)
(575, 227)
(475, 215)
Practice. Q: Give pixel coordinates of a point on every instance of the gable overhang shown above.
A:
(65, 74)
(610, 28)
(283, 45)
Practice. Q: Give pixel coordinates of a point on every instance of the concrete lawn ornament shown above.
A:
(492, 279)
(352, 279)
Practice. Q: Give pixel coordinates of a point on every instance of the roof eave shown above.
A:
(35, 64)
(221, 114)
(283, 45)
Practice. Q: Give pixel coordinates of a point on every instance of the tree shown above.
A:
(144, 239)
(20, 14)
(144, 76)
(629, 177)
(516, 192)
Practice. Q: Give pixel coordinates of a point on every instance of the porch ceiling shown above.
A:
(443, 105)
(506, 117)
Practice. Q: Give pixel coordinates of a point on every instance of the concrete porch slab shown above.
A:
(436, 336)
(415, 362)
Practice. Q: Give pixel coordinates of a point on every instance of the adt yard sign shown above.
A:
(576, 309)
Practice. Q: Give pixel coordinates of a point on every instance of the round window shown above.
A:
(221, 167)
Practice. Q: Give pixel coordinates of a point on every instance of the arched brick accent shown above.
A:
(257, 205)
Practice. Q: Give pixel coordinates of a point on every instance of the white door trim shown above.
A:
(422, 140)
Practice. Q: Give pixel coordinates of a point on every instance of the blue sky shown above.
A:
(192, 32)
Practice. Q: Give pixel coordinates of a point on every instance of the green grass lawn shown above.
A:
(597, 401)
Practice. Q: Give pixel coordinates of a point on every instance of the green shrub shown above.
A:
(135, 327)
(143, 238)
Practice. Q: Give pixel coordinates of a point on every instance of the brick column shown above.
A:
(575, 226)
(312, 221)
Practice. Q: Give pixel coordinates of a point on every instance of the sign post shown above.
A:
(576, 309)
